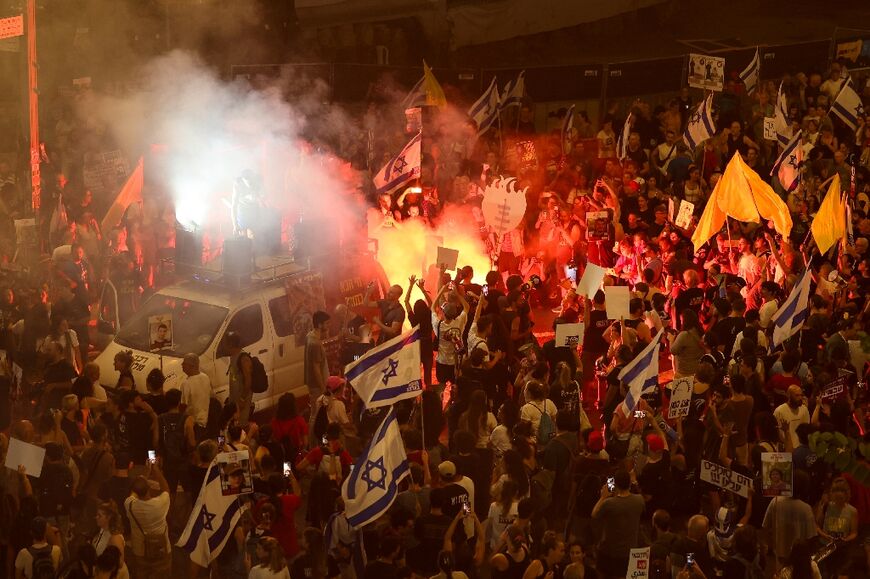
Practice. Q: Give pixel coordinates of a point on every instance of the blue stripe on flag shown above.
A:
(638, 367)
(218, 536)
(377, 356)
(359, 465)
(383, 503)
(398, 181)
(196, 531)
(387, 393)
(844, 114)
(708, 121)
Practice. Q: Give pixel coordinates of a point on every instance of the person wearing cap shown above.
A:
(41, 532)
(448, 332)
(655, 477)
(458, 489)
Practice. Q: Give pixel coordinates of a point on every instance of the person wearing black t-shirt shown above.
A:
(385, 567)
(594, 344)
(691, 296)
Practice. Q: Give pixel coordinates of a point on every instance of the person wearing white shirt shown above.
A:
(792, 414)
(39, 529)
(448, 332)
(768, 293)
(536, 407)
(196, 389)
(146, 508)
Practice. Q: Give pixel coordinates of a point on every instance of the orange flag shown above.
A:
(130, 193)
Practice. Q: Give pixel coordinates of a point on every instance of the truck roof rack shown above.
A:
(266, 269)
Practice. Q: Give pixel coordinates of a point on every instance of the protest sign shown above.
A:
(776, 474)
(160, 332)
(235, 469)
(569, 335)
(706, 72)
(503, 205)
(769, 129)
(684, 215)
(29, 455)
(638, 564)
(105, 172)
(725, 478)
(616, 300)
(12, 26)
(598, 226)
(835, 388)
(681, 396)
(590, 283)
(447, 258)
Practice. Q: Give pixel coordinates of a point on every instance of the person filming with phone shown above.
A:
(618, 511)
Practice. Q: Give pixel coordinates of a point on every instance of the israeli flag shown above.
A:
(513, 93)
(212, 520)
(485, 110)
(848, 106)
(567, 127)
(750, 74)
(641, 374)
(388, 373)
(622, 145)
(787, 166)
(790, 317)
(781, 124)
(373, 483)
(700, 126)
(416, 96)
(401, 169)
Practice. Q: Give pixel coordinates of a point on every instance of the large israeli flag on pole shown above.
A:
(401, 169)
(212, 521)
(700, 126)
(373, 483)
(750, 74)
(388, 373)
(848, 106)
(787, 166)
(485, 110)
(513, 92)
(641, 374)
(795, 310)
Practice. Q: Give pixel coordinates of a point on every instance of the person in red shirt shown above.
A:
(289, 428)
(331, 463)
(779, 383)
(284, 523)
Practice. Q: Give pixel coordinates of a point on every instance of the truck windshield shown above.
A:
(193, 326)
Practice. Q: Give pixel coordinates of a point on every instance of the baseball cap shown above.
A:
(655, 443)
(333, 383)
(595, 442)
(447, 469)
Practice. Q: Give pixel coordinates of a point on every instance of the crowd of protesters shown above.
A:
(524, 462)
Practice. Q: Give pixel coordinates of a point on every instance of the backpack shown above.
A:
(42, 566)
(320, 422)
(546, 428)
(172, 443)
(212, 423)
(259, 378)
(541, 490)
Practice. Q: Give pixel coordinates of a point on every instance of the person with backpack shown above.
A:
(240, 373)
(540, 412)
(176, 440)
(147, 507)
(329, 409)
(41, 560)
(331, 464)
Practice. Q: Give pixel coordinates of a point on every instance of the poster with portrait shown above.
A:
(776, 474)
(684, 215)
(160, 332)
(706, 72)
(598, 226)
(235, 469)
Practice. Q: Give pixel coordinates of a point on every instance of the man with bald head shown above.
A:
(694, 543)
(195, 389)
(392, 315)
(790, 415)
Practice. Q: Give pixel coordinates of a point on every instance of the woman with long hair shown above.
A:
(270, 561)
(311, 562)
(123, 362)
(61, 333)
(513, 559)
(837, 521)
(800, 564)
(478, 420)
(110, 533)
(447, 567)
(513, 468)
(421, 315)
(289, 429)
(502, 513)
(500, 437)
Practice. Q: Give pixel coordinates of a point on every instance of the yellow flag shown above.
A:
(829, 225)
(434, 93)
(711, 221)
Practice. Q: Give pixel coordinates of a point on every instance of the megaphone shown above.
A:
(835, 278)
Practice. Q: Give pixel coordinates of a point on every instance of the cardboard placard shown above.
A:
(706, 72)
(447, 257)
(776, 474)
(590, 283)
(681, 396)
(684, 215)
(725, 478)
(235, 469)
(616, 300)
(160, 332)
(569, 335)
(769, 129)
(12, 26)
(835, 388)
(598, 226)
(29, 455)
(638, 564)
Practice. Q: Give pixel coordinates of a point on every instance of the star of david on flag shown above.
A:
(373, 483)
(211, 521)
(848, 106)
(401, 169)
(388, 373)
(787, 166)
(700, 126)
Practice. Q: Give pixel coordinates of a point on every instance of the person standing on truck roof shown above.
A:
(240, 377)
(316, 366)
(392, 314)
